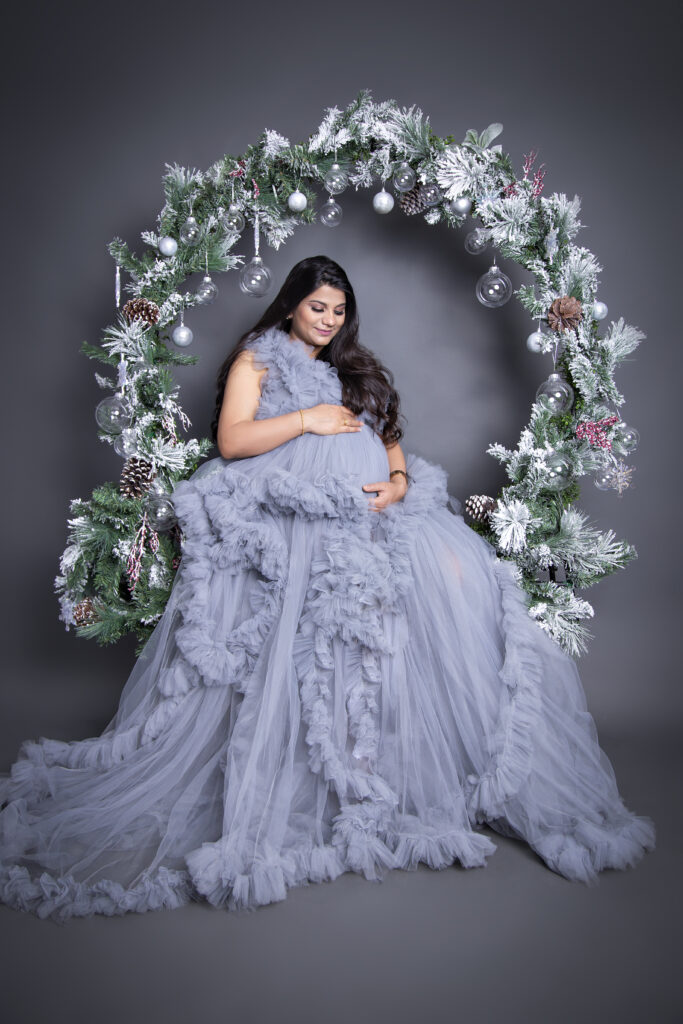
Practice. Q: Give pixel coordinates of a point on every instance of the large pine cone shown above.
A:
(141, 309)
(565, 313)
(84, 612)
(136, 477)
(413, 200)
(479, 507)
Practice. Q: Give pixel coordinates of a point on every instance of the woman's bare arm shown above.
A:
(239, 435)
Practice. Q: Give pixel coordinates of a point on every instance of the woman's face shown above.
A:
(319, 316)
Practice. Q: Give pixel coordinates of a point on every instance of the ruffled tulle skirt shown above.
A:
(329, 689)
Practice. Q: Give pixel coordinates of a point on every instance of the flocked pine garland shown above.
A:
(117, 570)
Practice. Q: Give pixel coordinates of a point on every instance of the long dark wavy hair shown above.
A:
(366, 383)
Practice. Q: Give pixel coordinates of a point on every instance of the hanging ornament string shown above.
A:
(256, 234)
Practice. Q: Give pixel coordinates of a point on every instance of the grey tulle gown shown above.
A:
(329, 689)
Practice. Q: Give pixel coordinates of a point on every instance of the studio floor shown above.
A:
(509, 942)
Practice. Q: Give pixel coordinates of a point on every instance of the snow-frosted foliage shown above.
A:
(274, 144)
(579, 274)
(460, 171)
(508, 219)
(562, 213)
(512, 522)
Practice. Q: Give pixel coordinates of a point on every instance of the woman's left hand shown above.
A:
(389, 491)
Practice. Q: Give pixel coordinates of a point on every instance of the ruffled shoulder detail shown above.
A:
(293, 380)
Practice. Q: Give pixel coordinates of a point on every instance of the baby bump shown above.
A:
(361, 455)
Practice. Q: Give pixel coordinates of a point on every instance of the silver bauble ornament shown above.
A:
(168, 246)
(476, 241)
(625, 437)
(113, 414)
(125, 444)
(182, 336)
(160, 512)
(555, 395)
(297, 201)
(535, 341)
(600, 311)
(493, 288)
(404, 177)
(255, 278)
(189, 232)
(336, 179)
(559, 472)
(233, 220)
(431, 194)
(383, 202)
(331, 214)
(460, 206)
(207, 291)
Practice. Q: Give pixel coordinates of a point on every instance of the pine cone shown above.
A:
(84, 612)
(136, 477)
(413, 200)
(479, 507)
(565, 314)
(141, 309)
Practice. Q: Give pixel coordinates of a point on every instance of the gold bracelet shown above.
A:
(301, 412)
(402, 472)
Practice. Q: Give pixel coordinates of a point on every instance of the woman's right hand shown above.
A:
(330, 419)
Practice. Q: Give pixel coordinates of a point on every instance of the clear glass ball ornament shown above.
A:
(233, 219)
(331, 214)
(125, 444)
(604, 478)
(112, 414)
(559, 472)
(431, 194)
(493, 288)
(160, 512)
(207, 291)
(297, 201)
(182, 336)
(476, 241)
(255, 278)
(404, 177)
(383, 202)
(460, 206)
(336, 179)
(627, 438)
(600, 311)
(168, 246)
(535, 341)
(189, 232)
(555, 394)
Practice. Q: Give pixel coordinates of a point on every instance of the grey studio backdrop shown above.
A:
(99, 101)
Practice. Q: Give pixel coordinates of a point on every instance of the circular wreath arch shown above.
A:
(117, 569)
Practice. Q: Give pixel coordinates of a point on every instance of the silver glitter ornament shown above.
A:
(383, 202)
(297, 201)
(535, 341)
(168, 246)
(600, 311)
(460, 206)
